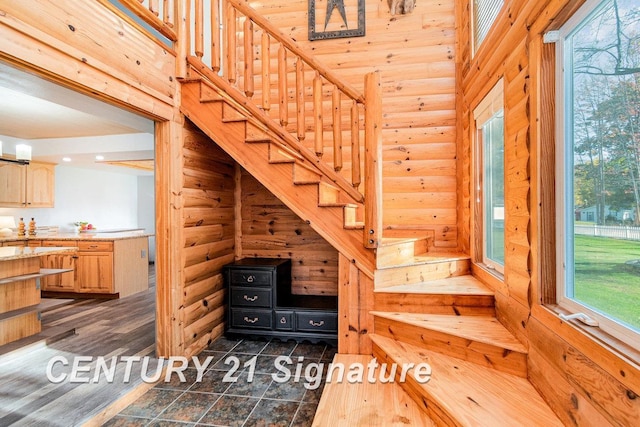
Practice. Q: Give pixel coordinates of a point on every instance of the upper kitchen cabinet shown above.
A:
(27, 186)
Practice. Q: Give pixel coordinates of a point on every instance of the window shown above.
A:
(489, 118)
(484, 13)
(598, 165)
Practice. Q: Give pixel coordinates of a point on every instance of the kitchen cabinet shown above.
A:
(64, 282)
(29, 185)
(95, 267)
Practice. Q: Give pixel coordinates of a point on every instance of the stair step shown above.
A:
(394, 251)
(462, 295)
(329, 195)
(303, 174)
(353, 217)
(365, 403)
(421, 268)
(230, 114)
(208, 93)
(277, 154)
(254, 133)
(479, 339)
(463, 393)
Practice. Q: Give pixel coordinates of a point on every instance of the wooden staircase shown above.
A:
(429, 309)
(301, 185)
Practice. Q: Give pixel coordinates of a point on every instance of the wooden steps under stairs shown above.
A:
(371, 404)
(297, 182)
(462, 393)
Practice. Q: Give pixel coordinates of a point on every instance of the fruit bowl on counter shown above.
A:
(85, 227)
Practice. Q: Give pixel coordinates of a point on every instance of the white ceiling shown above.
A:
(58, 122)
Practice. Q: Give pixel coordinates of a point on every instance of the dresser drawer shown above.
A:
(284, 320)
(250, 277)
(250, 297)
(316, 321)
(248, 318)
(95, 246)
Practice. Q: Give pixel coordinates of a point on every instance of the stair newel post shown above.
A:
(266, 79)
(282, 85)
(216, 20)
(300, 98)
(182, 11)
(317, 114)
(337, 129)
(373, 160)
(248, 57)
(355, 144)
(230, 43)
(199, 34)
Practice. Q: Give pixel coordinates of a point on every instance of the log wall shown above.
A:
(209, 237)
(270, 229)
(587, 380)
(415, 54)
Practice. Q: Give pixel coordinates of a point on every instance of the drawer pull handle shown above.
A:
(283, 320)
(254, 320)
(250, 279)
(318, 324)
(248, 298)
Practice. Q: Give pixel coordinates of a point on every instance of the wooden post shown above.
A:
(216, 20)
(199, 36)
(282, 85)
(300, 98)
(373, 160)
(317, 114)
(337, 130)
(266, 79)
(248, 57)
(231, 43)
(183, 47)
(355, 145)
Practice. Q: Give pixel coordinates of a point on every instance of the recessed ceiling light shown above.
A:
(66, 159)
(99, 157)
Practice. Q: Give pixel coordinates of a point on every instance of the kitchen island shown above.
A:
(107, 264)
(20, 280)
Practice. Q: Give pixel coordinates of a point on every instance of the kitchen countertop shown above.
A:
(93, 236)
(8, 253)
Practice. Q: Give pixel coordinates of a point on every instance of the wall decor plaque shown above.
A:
(331, 19)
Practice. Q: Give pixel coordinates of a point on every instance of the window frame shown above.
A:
(491, 106)
(564, 189)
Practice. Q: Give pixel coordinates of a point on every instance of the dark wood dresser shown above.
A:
(260, 303)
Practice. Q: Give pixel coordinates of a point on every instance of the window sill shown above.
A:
(582, 336)
(490, 277)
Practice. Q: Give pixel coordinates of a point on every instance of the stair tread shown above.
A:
(459, 285)
(388, 241)
(345, 403)
(429, 258)
(482, 329)
(471, 394)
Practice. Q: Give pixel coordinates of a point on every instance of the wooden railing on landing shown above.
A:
(314, 111)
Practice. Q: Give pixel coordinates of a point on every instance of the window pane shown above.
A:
(485, 12)
(493, 150)
(603, 82)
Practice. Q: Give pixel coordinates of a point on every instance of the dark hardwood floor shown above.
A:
(77, 331)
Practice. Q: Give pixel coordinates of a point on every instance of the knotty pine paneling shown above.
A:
(209, 237)
(585, 381)
(270, 229)
(415, 55)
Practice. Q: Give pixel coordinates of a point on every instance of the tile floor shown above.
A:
(254, 399)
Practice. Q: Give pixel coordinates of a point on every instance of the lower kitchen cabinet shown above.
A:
(95, 272)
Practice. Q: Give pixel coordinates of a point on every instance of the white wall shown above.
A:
(107, 200)
(146, 211)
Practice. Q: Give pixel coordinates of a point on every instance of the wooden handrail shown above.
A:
(239, 99)
(290, 44)
(164, 25)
